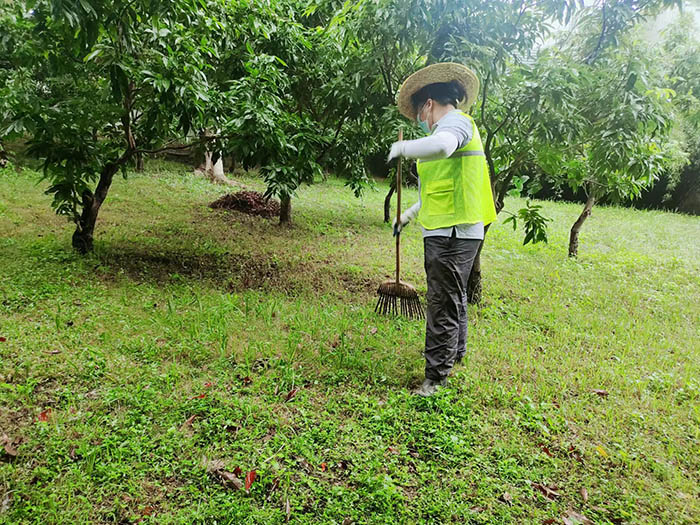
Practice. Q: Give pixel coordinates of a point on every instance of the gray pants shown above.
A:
(448, 262)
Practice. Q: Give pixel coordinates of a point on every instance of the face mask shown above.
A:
(423, 123)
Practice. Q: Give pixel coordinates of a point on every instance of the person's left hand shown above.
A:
(396, 151)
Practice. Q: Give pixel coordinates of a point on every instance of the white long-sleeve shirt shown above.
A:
(451, 132)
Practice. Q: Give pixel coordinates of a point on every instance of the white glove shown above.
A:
(406, 217)
(396, 150)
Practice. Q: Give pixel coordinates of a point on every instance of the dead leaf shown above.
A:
(249, 479)
(3, 339)
(44, 416)
(247, 381)
(230, 479)
(548, 492)
(546, 450)
(71, 452)
(200, 396)
(373, 330)
(287, 509)
(237, 471)
(477, 510)
(188, 422)
(291, 394)
(392, 450)
(213, 465)
(54, 352)
(574, 518)
(507, 498)
(208, 384)
(601, 393)
(347, 521)
(549, 521)
(323, 467)
(10, 449)
(584, 494)
(575, 454)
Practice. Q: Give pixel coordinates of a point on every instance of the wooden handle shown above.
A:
(398, 213)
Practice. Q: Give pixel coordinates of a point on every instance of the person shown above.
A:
(455, 204)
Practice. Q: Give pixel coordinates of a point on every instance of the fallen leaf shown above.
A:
(188, 422)
(574, 518)
(200, 396)
(71, 452)
(3, 339)
(545, 450)
(237, 471)
(10, 449)
(548, 492)
(287, 509)
(575, 453)
(601, 393)
(44, 416)
(230, 479)
(507, 498)
(247, 381)
(208, 384)
(601, 451)
(249, 479)
(392, 450)
(549, 521)
(373, 330)
(347, 521)
(291, 393)
(213, 465)
(54, 352)
(584, 494)
(323, 467)
(477, 510)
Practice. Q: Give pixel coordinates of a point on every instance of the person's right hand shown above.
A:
(398, 226)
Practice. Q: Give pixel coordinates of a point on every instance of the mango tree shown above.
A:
(98, 83)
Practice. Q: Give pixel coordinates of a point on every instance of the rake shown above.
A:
(397, 296)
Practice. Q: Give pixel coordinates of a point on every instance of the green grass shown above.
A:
(179, 300)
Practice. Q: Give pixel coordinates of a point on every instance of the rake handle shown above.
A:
(398, 213)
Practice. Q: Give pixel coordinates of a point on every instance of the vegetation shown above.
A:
(194, 341)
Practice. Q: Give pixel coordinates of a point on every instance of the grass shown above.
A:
(185, 311)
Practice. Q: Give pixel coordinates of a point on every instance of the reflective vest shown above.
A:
(456, 190)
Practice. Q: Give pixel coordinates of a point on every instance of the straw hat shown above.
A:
(443, 72)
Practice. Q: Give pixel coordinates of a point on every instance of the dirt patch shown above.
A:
(250, 202)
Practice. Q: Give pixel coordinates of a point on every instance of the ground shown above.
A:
(194, 341)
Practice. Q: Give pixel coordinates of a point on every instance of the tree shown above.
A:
(100, 83)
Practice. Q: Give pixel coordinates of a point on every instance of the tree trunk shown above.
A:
(139, 162)
(387, 202)
(85, 226)
(474, 286)
(576, 228)
(285, 209)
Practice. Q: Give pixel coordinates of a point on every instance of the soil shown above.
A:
(250, 202)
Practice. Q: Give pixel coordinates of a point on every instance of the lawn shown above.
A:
(136, 382)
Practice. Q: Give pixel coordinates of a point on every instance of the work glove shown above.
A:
(406, 217)
(396, 151)
(398, 226)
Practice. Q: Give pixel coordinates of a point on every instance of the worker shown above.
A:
(455, 203)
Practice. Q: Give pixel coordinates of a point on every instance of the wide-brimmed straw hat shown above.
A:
(443, 72)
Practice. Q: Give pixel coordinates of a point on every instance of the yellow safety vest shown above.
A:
(456, 190)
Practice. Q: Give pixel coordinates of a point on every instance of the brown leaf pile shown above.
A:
(250, 202)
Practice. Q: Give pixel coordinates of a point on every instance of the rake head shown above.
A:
(399, 298)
